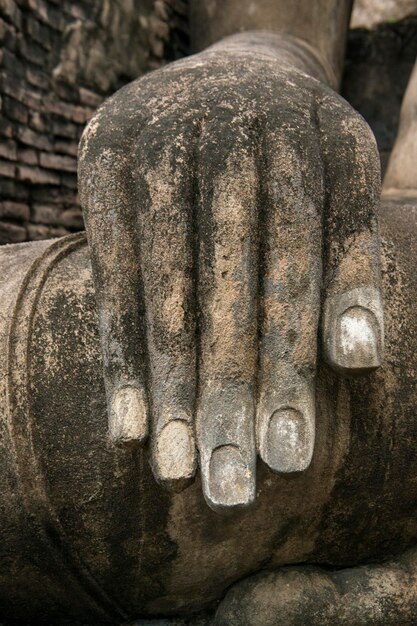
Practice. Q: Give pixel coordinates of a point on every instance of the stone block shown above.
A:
(14, 190)
(33, 52)
(37, 232)
(71, 112)
(15, 110)
(72, 219)
(6, 128)
(31, 138)
(44, 214)
(65, 129)
(37, 122)
(58, 162)
(14, 210)
(12, 233)
(7, 169)
(90, 98)
(39, 32)
(11, 11)
(37, 78)
(28, 156)
(66, 147)
(8, 150)
(37, 176)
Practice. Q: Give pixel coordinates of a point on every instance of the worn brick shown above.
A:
(13, 189)
(67, 93)
(15, 110)
(37, 232)
(16, 89)
(53, 195)
(3, 29)
(37, 122)
(49, 15)
(44, 214)
(90, 98)
(58, 162)
(37, 176)
(39, 32)
(12, 233)
(7, 169)
(72, 219)
(28, 156)
(11, 63)
(7, 35)
(8, 150)
(14, 210)
(11, 12)
(32, 51)
(37, 78)
(66, 147)
(31, 138)
(6, 128)
(62, 129)
(71, 112)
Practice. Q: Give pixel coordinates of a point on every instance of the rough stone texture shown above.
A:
(370, 13)
(88, 533)
(227, 167)
(373, 595)
(58, 60)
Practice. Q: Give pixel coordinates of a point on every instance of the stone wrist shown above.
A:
(285, 48)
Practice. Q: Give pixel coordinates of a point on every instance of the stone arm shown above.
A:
(234, 195)
(322, 25)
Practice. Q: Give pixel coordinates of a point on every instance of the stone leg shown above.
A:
(371, 595)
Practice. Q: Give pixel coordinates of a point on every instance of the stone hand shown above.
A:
(225, 196)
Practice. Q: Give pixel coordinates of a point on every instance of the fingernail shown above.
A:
(175, 456)
(354, 330)
(357, 340)
(231, 482)
(128, 420)
(289, 441)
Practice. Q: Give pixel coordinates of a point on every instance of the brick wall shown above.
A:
(58, 60)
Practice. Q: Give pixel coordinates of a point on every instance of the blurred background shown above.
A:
(60, 58)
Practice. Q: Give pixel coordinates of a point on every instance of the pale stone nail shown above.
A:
(128, 421)
(354, 330)
(175, 455)
(357, 341)
(231, 482)
(289, 441)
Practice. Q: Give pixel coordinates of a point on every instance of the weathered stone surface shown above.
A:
(138, 550)
(264, 162)
(372, 595)
(14, 211)
(369, 13)
(39, 105)
(375, 80)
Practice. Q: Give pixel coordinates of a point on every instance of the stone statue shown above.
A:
(231, 204)
(206, 188)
